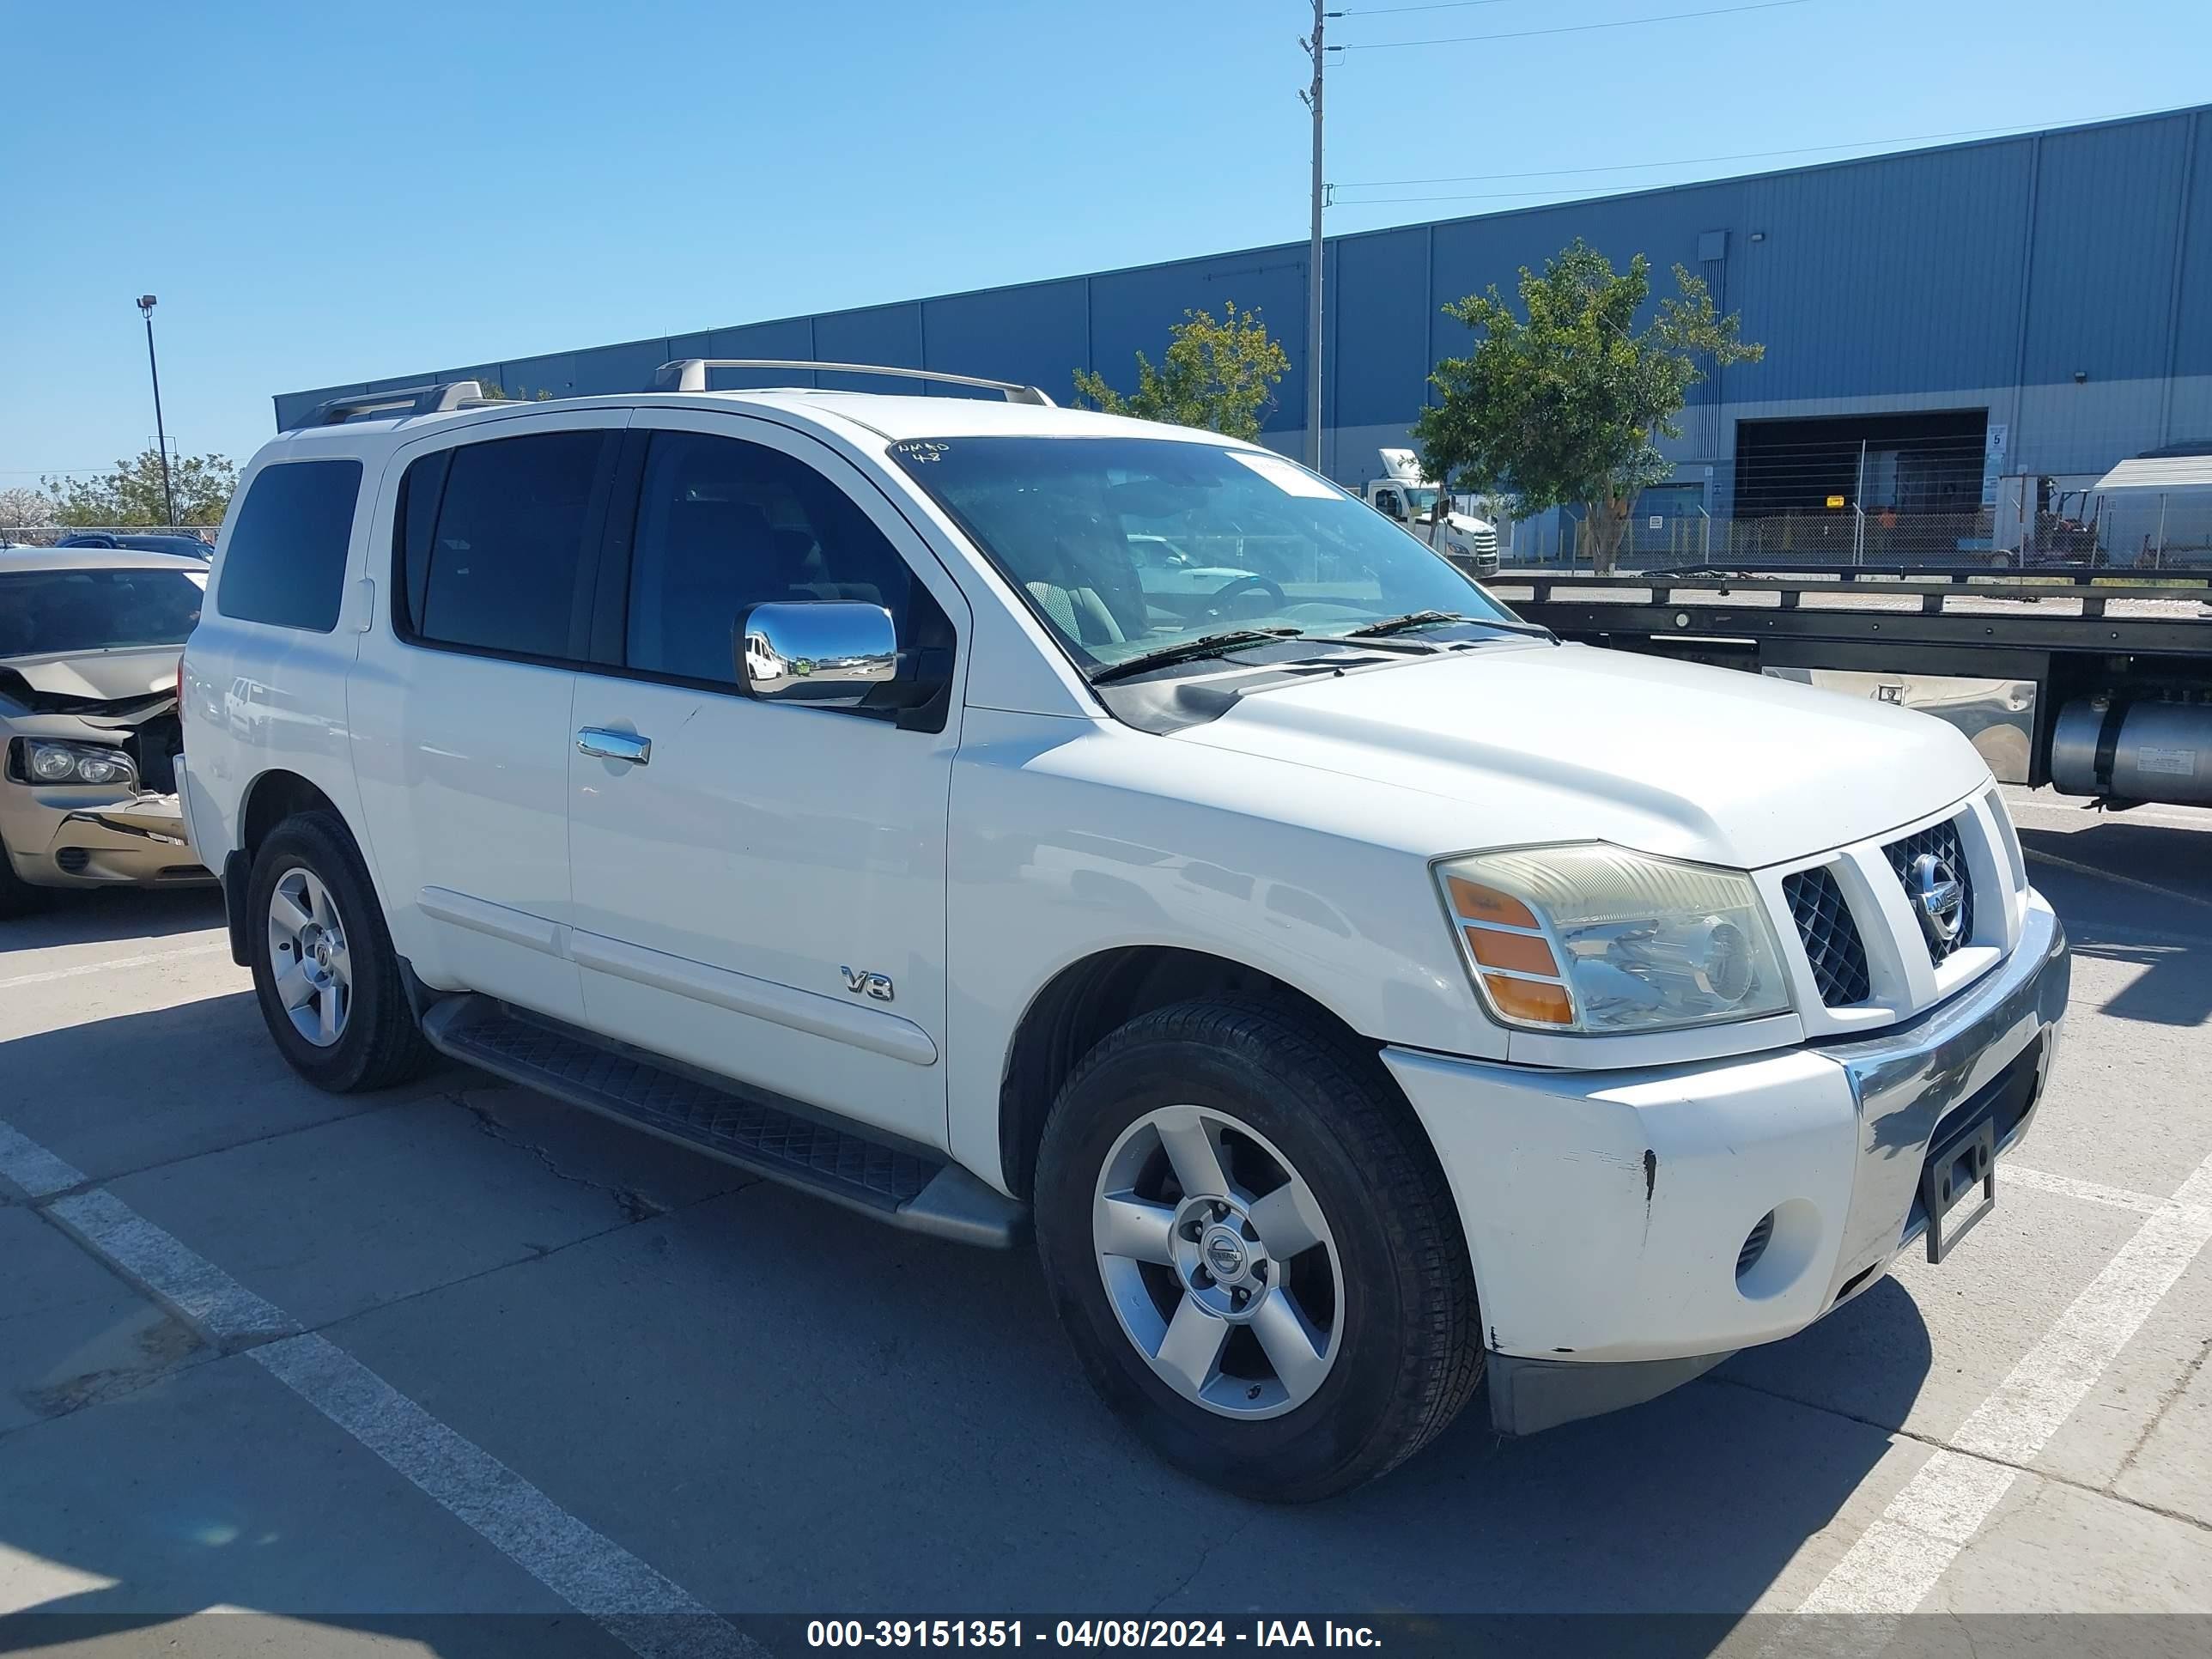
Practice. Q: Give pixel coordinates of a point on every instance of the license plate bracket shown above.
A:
(1967, 1160)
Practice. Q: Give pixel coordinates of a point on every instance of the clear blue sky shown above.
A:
(326, 192)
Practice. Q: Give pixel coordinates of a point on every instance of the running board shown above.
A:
(844, 1164)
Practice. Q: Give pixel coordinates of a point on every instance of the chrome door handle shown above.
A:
(601, 745)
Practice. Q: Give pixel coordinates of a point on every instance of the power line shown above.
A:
(1437, 5)
(1738, 155)
(1570, 28)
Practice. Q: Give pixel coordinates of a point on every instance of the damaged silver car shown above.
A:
(89, 641)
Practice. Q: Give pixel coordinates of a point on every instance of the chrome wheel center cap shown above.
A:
(1220, 1259)
(1224, 1254)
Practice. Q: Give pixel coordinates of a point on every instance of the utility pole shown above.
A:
(1312, 97)
(161, 432)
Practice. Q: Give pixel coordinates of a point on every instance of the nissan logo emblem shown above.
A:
(1938, 896)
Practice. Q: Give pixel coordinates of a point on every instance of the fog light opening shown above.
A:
(1778, 1251)
(1753, 1247)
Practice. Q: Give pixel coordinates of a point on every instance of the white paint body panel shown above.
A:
(702, 905)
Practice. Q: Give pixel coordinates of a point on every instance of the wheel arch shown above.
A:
(272, 797)
(1096, 994)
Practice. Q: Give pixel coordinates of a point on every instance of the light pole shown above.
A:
(1312, 97)
(161, 432)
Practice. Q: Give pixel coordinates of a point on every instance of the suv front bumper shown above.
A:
(72, 837)
(1605, 1210)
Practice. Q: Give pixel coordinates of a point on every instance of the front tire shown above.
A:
(1253, 1249)
(325, 972)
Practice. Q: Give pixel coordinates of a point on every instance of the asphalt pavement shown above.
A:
(305, 1374)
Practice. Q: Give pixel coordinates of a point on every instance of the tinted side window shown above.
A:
(513, 526)
(286, 560)
(415, 522)
(723, 524)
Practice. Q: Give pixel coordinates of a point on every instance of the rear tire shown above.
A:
(325, 972)
(1375, 1268)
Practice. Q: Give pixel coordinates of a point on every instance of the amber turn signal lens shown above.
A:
(1524, 953)
(1530, 1000)
(1472, 902)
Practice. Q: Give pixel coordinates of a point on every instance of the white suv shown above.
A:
(1361, 992)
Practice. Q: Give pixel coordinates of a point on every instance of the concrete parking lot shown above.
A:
(458, 1350)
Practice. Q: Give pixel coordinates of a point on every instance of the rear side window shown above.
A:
(493, 561)
(286, 560)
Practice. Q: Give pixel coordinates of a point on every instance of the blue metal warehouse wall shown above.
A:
(1985, 275)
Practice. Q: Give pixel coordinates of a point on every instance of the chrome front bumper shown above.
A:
(1884, 1101)
(1943, 1070)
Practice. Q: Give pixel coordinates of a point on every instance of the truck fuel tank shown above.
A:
(2156, 746)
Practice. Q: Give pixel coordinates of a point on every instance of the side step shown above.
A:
(847, 1164)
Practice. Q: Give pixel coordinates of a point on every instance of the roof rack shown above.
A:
(690, 374)
(398, 402)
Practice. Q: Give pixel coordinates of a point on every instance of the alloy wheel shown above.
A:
(1219, 1262)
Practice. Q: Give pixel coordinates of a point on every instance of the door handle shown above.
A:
(601, 745)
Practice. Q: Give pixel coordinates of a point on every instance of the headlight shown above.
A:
(77, 762)
(1592, 939)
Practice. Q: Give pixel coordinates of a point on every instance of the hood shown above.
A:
(125, 677)
(1539, 742)
(1467, 523)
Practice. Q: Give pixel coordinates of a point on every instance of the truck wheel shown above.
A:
(1252, 1247)
(324, 968)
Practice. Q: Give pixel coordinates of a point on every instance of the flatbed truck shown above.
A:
(2096, 686)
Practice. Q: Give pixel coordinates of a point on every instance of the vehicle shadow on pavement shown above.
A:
(2093, 877)
(722, 1380)
(91, 917)
(2168, 855)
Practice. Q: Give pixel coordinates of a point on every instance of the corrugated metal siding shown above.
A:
(1900, 275)
(1974, 269)
(1133, 311)
(2101, 284)
(2192, 353)
(1379, 334)
(1037, 335)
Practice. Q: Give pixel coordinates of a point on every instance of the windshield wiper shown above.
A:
(1206, 644)
(1413, 619)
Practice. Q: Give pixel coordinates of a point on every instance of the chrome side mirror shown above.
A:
(829, 653)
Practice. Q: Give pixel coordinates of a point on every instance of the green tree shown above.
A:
(493, 392)
(1567, 407)
(1218, 375)
(132, 494)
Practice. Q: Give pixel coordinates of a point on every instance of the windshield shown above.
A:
(50, 613)
(1129, 545)
(1417, 498)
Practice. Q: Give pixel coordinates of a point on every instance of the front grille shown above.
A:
(1941, 840)
(1832, 936)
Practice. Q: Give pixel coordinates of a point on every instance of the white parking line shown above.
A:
(1898, 1560)
(207, 1297)
(113, 963)
(2090, 1192)
(648, 1613)
(33, 1168)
